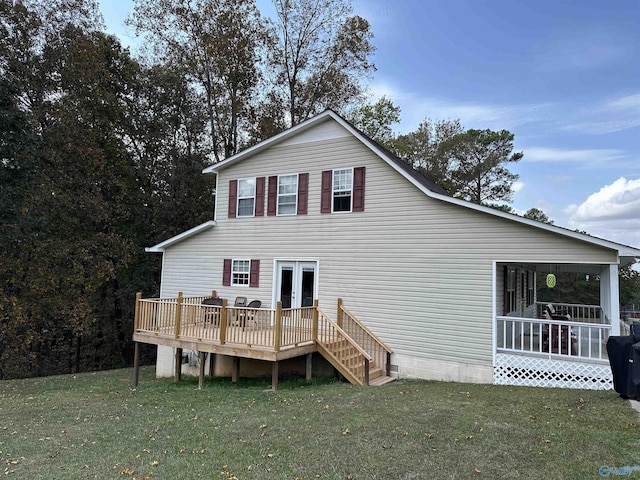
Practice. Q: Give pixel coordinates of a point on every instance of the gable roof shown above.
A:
(159, 248)
(426, 185)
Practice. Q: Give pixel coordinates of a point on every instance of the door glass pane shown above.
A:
(307, 287)
(286, 284)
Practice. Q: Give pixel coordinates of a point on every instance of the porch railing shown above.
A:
(578, 313)
(379, 352)
(553, 338)
(187, 317)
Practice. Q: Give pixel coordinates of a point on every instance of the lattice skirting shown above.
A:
(543, 372)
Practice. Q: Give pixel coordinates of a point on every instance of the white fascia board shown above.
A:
(160, 247)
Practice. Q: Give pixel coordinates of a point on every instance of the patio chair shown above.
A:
(240, 302)
(558, 338)
(212, 315)
(249, 315)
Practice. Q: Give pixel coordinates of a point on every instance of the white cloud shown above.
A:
(611, 116)
(585, 156)
(517, 186)
(613, 212)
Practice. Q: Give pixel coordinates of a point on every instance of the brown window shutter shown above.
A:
(226, 272)
(259, 212)
(303, 193)
(272, 199)
(358, 189)
(254, 275)
(233, 198)
(325, 203)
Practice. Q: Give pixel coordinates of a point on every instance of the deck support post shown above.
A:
(136, 364)
(212, 364)
(274, 376)
(309, 367)
(339, 313)
(388, 369)
(235, 369)
(203, 359)
(366, 372)
(177, 372)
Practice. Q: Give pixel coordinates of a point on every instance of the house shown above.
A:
(320, 212)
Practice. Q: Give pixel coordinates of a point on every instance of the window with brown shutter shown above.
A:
(272, 197)
(233, 198)
(259, 196)
(254, 277)
(358, 189)
(326, 191)
(226, 272)
(303, 193)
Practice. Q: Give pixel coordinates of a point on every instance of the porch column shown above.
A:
(610, 296)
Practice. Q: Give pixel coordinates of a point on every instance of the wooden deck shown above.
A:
(261, 333)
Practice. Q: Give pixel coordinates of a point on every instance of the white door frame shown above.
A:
(297, 267)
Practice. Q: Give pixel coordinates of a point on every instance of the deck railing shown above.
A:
(578, 312)
(553, 338)
(187, 317)
(379, 352)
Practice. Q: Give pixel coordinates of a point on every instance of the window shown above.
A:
(287, 194)
(342, 188)
(510, 290)
(246, 197)
(240, 272)
(531, 288)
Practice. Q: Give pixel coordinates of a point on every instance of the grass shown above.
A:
(94, 426)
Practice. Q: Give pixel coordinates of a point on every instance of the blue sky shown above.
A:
(563, 76)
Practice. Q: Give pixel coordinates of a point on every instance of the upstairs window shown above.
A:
(342, 189)
(246, 197)
(287, 194)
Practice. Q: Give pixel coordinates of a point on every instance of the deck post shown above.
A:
(388, 369)
(274, 376)
(212, 364)
(278, 329)
(235, 369)
(136, 316)
(177, 373)
(366, 371)
(315, 320)
(223, 322)
(339, 313)
(203, 358)
(309, 367)
(136, 364)
(178, 315)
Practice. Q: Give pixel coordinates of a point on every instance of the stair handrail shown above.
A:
(363, 327)
(345, 334)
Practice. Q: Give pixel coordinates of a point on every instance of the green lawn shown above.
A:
(94, 426)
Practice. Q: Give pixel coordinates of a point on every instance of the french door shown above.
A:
(296, 283)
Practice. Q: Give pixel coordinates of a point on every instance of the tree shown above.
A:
(477, 162)
(321, 57)
(375, 119)
(422, 149)
(538, 215)
(218, 43)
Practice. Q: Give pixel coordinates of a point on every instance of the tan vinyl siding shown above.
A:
(416, 270)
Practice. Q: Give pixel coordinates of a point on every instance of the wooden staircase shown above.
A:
(351, 358)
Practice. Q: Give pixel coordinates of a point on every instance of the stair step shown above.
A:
(381, 381)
